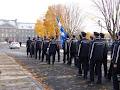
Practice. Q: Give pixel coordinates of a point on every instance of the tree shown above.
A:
(73, 19)
(70, 17)
(110, 10)
(39, 28)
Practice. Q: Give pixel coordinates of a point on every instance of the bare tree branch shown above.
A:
(110, 9)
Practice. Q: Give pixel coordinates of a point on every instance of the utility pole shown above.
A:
(100, 24)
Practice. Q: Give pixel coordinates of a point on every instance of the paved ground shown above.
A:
(57, 77)
(13, 77)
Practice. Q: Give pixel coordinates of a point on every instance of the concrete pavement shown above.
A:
(14, 77)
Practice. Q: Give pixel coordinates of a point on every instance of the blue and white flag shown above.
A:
(63, 34)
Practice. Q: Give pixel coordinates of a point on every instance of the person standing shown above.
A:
(58, 48)
(38, 46)
(110, 70)
(52, 50)
(73, 50)
(95, 55)
(45, 44)
(116, 63)
(66, 49)
(32, 47)
(104, 60)
(83, 52)
(28, 43)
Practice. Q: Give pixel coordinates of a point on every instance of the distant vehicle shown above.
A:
(14, 45)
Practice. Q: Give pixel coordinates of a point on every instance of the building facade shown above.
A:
(11, 30)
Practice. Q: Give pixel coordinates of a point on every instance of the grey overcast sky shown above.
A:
(31, 10)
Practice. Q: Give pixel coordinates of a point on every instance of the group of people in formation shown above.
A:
(89, 55)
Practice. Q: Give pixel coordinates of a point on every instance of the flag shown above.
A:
(63, 34)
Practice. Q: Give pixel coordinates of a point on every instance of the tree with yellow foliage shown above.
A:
(48, 27)
(70, 18)
(40, 28)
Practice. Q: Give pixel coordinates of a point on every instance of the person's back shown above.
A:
(53, 46)
(38, 46)
(52, 50)
(38, 43)
(28, 44)
(74, 46)
(84, 48)
(45, 44)
(97, 49)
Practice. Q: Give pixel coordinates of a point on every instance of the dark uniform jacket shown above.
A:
(105, 49)
(38, 43)
(45, 45)
(96, 49)
(74, 46)
(66, 46)
(28, 44)
(52, 47)
(83, 48)
(116, 55)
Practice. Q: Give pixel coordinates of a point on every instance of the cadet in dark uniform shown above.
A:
(73, 50)
(28, 43)
(32, 47)
(110, 71)
(58, 48)
(83, 51)
(45, 45)
(116, 63)
(104, 61)
(96, 53)
(52, 50)
(66, 50)
(38, 46)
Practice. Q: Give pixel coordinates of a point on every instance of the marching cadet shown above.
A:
(45, 45)
(58, 48)
(109, 75)
(104, 60)
(96, 53)
(28, 43)
(52, 50)
(83, 51)
(38, 46)
(32, 47)
(66, 50)
(73, 50)
(116, 63)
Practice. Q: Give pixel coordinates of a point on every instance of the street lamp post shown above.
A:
(100, 24)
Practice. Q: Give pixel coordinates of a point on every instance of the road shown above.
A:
(13, 76)
(58, 77)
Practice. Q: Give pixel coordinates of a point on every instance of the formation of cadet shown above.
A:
(88, 55)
